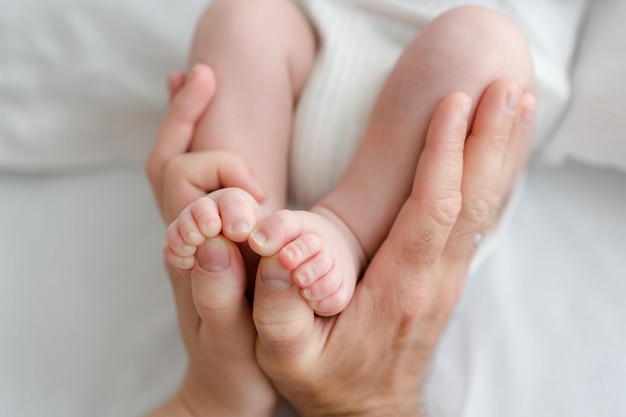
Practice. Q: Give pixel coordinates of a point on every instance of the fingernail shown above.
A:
(215, 256)
(512, 100)
(275, 277)
(528, 111)
(194, 70)
(528, 115)
(464, 110)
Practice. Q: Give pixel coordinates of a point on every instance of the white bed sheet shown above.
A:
(87, 324)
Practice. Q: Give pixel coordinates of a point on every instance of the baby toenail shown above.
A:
(306, 293)
(211, 229)
(259, 238)
(240, 227)
(193, 236)
(187, 263)
(189, 250)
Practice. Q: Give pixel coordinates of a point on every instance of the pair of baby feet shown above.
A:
(313, 250)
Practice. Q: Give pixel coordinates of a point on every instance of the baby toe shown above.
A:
(207, 217)
(239, 211)
(188, 229)
(300, 250)
(322, 287)
(176, 242)
(334, 303)
(314, 269)
(276, 231)
(180, 262)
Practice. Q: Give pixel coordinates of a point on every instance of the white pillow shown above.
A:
(594, 128)
(83, 83)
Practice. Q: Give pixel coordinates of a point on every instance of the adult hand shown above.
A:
(179, 177)
(371, 359)
(223, 377)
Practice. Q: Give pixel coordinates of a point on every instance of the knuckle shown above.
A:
(175, 166)
(444, 211)
(414, 302)
(479, 206)
(497, 138)
(427, 308)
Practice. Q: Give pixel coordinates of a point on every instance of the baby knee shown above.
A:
(484, 41)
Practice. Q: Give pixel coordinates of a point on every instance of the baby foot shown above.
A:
(230, 211)
(321, 253)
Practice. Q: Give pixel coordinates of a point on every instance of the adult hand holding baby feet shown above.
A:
(223, 377)
(314, 250)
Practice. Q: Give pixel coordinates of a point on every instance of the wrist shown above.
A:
(366, 410)
(369, 413)
(201, 399)
(174, 407)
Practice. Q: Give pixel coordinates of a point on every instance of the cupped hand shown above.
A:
(371, 359)
(223, 377)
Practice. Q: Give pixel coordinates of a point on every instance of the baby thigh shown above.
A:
(261, 52)
(464, 50)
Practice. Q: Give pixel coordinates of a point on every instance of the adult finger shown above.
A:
(285, 323)
(485, 151)
(520, 144)
(435, 200)
(178, 126)
(175, 80)
(213, 296)
(219, 335)
(411, 254)
(189, 176)
(218, 282)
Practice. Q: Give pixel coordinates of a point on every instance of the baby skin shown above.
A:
(311, 249)
(324, 250)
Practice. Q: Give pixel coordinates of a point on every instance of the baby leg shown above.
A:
(463, 50)
(229, 211)
(261, 53)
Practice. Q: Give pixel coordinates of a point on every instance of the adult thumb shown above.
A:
(285, 323)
